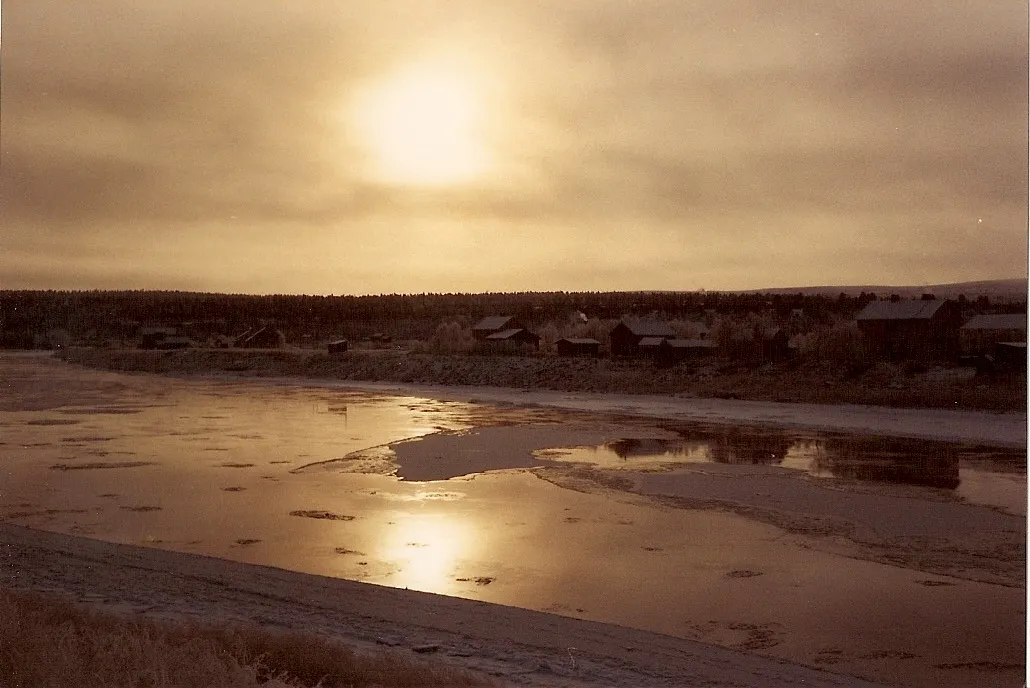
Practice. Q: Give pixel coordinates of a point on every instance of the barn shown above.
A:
(512, 340)
(493, 324)
(340, 346)
(673, 351)
(573, 346)
(263, 338)
(979, 335)
(910, 329)
(628, 336)
(775, 344)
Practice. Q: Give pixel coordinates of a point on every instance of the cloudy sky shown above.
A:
(396, 147)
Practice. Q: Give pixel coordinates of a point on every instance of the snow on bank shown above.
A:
(518, 646)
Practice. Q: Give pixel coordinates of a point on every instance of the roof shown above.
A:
(648, 328)
(691, 343)
(1004, 321)
(149, 331)
(651, 341)
(900, 310)
(579, 340)
(493, 322)
(508, 334)
(262, 332)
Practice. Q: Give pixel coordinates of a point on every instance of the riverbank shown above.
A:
(378, 371)
(246, 469)
(517, 646)
(882, 385)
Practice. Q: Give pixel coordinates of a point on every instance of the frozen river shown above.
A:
(896, 560)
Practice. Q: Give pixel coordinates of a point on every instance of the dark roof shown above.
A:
(578, 340)
(257, 334)
(1003, 321)
(900, 310)
(508, 334)
(690, 343)
(648, 328)
(651, 341)
(493, 322)
(150, 331)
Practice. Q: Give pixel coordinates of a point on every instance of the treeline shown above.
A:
(36, 319)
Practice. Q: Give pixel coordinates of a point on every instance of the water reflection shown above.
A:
(887, 460)
(426, 548)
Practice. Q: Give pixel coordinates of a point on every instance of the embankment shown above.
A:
(881, 385)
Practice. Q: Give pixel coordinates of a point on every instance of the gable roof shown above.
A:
(648, 328)
(510, 334)
(900, 310)
(493, 322)
(1001, 321)
(690, 343)
(578, 340)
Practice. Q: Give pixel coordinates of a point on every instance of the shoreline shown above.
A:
(882, 384)
(1006, 429)
(1003, 430)
(517, 646)
(777, 622)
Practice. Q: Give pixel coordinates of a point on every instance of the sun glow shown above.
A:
(424, 126)
(427, 550)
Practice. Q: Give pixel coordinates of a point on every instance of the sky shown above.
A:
(418, 146)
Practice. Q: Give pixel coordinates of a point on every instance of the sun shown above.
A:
(423, 125)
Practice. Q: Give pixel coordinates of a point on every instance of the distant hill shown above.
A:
(1004, 290)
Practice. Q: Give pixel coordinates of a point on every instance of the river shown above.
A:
(891, 559)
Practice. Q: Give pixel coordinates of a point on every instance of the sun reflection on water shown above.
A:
(426, 549)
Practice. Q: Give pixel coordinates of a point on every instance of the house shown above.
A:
(979, 335)
(673, 351)
(648, 346)
(901, 329)
(513, 339)
(775, 344)
(571, 346)
(263, 338)
(1011, 355)
(626, 337)
(338, 347)
(493, 324)
(153, 337)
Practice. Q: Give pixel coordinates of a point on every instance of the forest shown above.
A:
(43, 319)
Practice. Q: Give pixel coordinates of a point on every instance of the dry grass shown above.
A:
(46, 642)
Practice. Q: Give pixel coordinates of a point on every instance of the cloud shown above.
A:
(726, 127)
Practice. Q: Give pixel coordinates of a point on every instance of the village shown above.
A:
(897, 330)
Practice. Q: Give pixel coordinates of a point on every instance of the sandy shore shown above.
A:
(520, 647)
